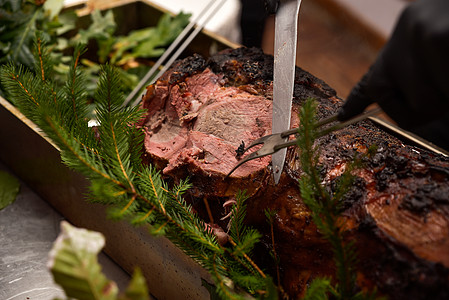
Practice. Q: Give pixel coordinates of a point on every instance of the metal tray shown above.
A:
(36, 160)
(32, 157)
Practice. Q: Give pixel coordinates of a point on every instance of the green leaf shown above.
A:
(102, 28)
(74, 265)
(23, 39)
(73, 262)
(67, 20)
(53, 7)
(148, 42)
(13, 4)
(9, 188)
(137, 288)
(130, 41)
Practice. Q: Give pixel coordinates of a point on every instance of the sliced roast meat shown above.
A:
(397, 212)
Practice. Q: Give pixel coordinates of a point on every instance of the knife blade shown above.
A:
(286, 30)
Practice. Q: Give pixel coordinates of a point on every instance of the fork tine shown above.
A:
(327, 120)
(238, 165)
(341, 125)
(274, 142)
(247, 158)
(284, 145)
(259, 141)
(269, 142)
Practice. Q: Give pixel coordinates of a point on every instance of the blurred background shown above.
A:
(338, 39)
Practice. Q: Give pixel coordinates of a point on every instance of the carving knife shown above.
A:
(286, 32)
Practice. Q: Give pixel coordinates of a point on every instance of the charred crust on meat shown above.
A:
(426, 197)
(187, 67)
(419, 278)
(396, 180)
(244, 66)
(355, 193)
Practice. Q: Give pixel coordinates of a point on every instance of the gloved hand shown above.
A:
(271, 6)
(410, 78)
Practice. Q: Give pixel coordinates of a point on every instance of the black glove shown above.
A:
(410, 78)
(271, 6)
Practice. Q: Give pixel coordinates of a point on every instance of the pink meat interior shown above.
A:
(199, 124)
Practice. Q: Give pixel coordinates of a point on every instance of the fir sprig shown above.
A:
(326, 211)
(243, 238)
(270, 214)
(319, 289)
(118, 178)
(237, 229)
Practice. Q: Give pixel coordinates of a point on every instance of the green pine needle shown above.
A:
(318, 289)
(326, 209)
(237, 227)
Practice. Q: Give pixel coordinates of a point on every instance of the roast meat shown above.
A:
(202, 110)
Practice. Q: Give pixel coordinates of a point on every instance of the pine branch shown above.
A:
(118, 178)
(318, 289)
(78, 156)
(152, 185)
(74, 89)
(239, 250)
(22, 89)
(43, 63)
(223, 289)
(326, 208)
(237, 227)
(242, 238)
(270, 214)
